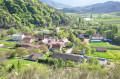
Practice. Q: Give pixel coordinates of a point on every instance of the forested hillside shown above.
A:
(32, 13)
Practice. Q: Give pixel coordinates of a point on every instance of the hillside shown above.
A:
(107, 7)
(55, 4)
(19, 13)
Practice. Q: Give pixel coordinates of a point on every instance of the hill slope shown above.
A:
(55, 4)
(19, 13)
(107, 7)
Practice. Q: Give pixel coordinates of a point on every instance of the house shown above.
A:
(87, 19)
(38, 38)
(52, 39)
(65, 57)
(106, 40)
(1, 45)
(96, 37)
(46, 35)
(81, 37)
(35, 56)
(101, 50)
(28, 35)
(27, 40)
(56, 45)
(18, 37)
(56, 30)
(65, 40)
(27, 45)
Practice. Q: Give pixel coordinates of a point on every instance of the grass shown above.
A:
(6, 43)
(104, 45)
(4, 49)
(24, 63)
(109, 20)
(110, 54)
(101, 44)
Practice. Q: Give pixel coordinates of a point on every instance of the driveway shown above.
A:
(70, 49)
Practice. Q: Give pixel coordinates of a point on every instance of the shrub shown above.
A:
(69, 45)
(48, 61)
(12, 55)
(92, 61)
(70, 64)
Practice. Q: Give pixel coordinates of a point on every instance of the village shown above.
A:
(53, 45)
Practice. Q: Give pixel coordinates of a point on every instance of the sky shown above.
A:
(82, 2)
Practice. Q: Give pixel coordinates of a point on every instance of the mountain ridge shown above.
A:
(107, 7)
(55, 4)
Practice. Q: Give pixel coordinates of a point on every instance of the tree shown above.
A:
(20, 51)
(87, 50)
(4, 34)
(71, 37)
(91, 16)
(11, 68)
(25, 29)
(18, 65)
(43, 48)
(11, 31)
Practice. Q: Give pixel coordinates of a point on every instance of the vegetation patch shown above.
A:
(110, 54)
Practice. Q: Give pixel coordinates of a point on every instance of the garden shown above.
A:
(110, 54)
(104, 45)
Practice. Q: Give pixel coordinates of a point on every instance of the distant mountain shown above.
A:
(107, 7)
(55, 4)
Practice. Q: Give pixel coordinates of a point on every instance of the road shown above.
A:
(70, 49)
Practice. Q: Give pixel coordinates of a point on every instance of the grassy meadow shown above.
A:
(109, 20)
(110, 54)
(104, 45)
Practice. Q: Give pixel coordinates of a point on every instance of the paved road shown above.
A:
(70, 50)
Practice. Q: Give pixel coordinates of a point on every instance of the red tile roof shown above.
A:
(56, 46)
(28, 34)
(101, 49)
(64, 40)
(27, 39)
(97, 35)
(27, 45)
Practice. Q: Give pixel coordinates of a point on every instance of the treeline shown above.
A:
(19, 13)
(110, 31)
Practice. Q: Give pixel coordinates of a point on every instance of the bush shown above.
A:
(84, 66)
(12, 55)
(69, 45)
(92, 61)
(48, 54)
(48, 61)
(70, 64)
(56, 51)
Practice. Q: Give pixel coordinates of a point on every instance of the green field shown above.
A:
(109, 20)
(6, 43)
(24, 63)
(110, 54)
(4, 49)
(101, 44)
(104, 45)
